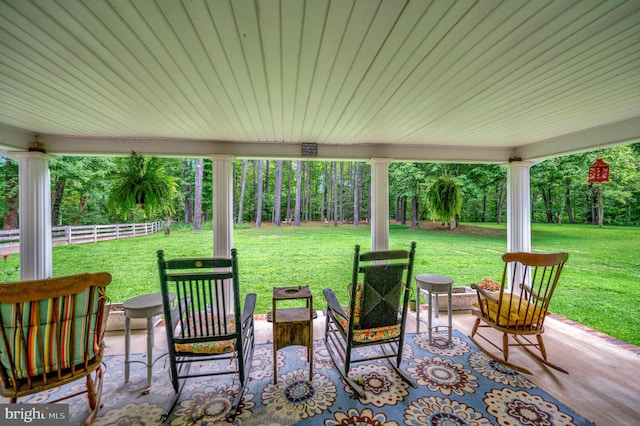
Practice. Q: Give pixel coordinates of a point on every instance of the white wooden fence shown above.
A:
(87, 233)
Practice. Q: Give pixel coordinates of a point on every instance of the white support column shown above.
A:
(379, 204)
(518, 207)
(222, 205)
(223, 215)
(35, 215)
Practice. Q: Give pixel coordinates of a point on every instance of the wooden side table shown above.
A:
(292, 326)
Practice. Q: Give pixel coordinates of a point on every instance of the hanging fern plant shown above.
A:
(445, 200)
(142, 183)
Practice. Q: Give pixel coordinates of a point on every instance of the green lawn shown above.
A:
(599, 287)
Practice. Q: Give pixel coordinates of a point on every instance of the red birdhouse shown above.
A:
(599, 171)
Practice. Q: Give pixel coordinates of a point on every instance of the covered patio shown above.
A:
(510, 83)
(600, 386)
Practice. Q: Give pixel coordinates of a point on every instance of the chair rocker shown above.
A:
(376, 314)
(52, 334)
(200, 326)
(519, 314)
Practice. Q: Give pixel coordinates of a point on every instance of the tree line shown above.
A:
(101, 190)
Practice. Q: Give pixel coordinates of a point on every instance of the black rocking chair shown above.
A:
(201, 327)
(377, 311)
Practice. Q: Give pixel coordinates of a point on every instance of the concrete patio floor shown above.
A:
(603, 383)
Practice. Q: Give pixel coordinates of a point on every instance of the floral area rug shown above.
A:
(457, 385)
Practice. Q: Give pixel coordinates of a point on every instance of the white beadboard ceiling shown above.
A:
(421, 80)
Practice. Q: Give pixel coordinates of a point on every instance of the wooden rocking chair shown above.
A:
(521, 313)
(52, 334)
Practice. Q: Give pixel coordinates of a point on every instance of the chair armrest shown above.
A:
(484, 299)
(482, 293)
(104, 319)
(249, 307)
(332, 303)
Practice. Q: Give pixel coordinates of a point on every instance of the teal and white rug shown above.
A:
(457, 385)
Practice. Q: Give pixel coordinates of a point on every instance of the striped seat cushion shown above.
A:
(41, 334)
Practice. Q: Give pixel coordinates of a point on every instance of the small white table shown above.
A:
(432, 285)
(145, 306)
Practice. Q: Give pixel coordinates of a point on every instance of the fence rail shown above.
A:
(87, 233)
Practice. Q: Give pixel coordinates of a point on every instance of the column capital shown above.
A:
(30, 154)
(520, 163)
(379, 161)
(222, 157)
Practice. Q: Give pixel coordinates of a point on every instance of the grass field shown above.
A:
(600, 286)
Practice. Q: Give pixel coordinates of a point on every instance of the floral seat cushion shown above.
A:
(374, 334)
(198, 329)
(371, 334)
